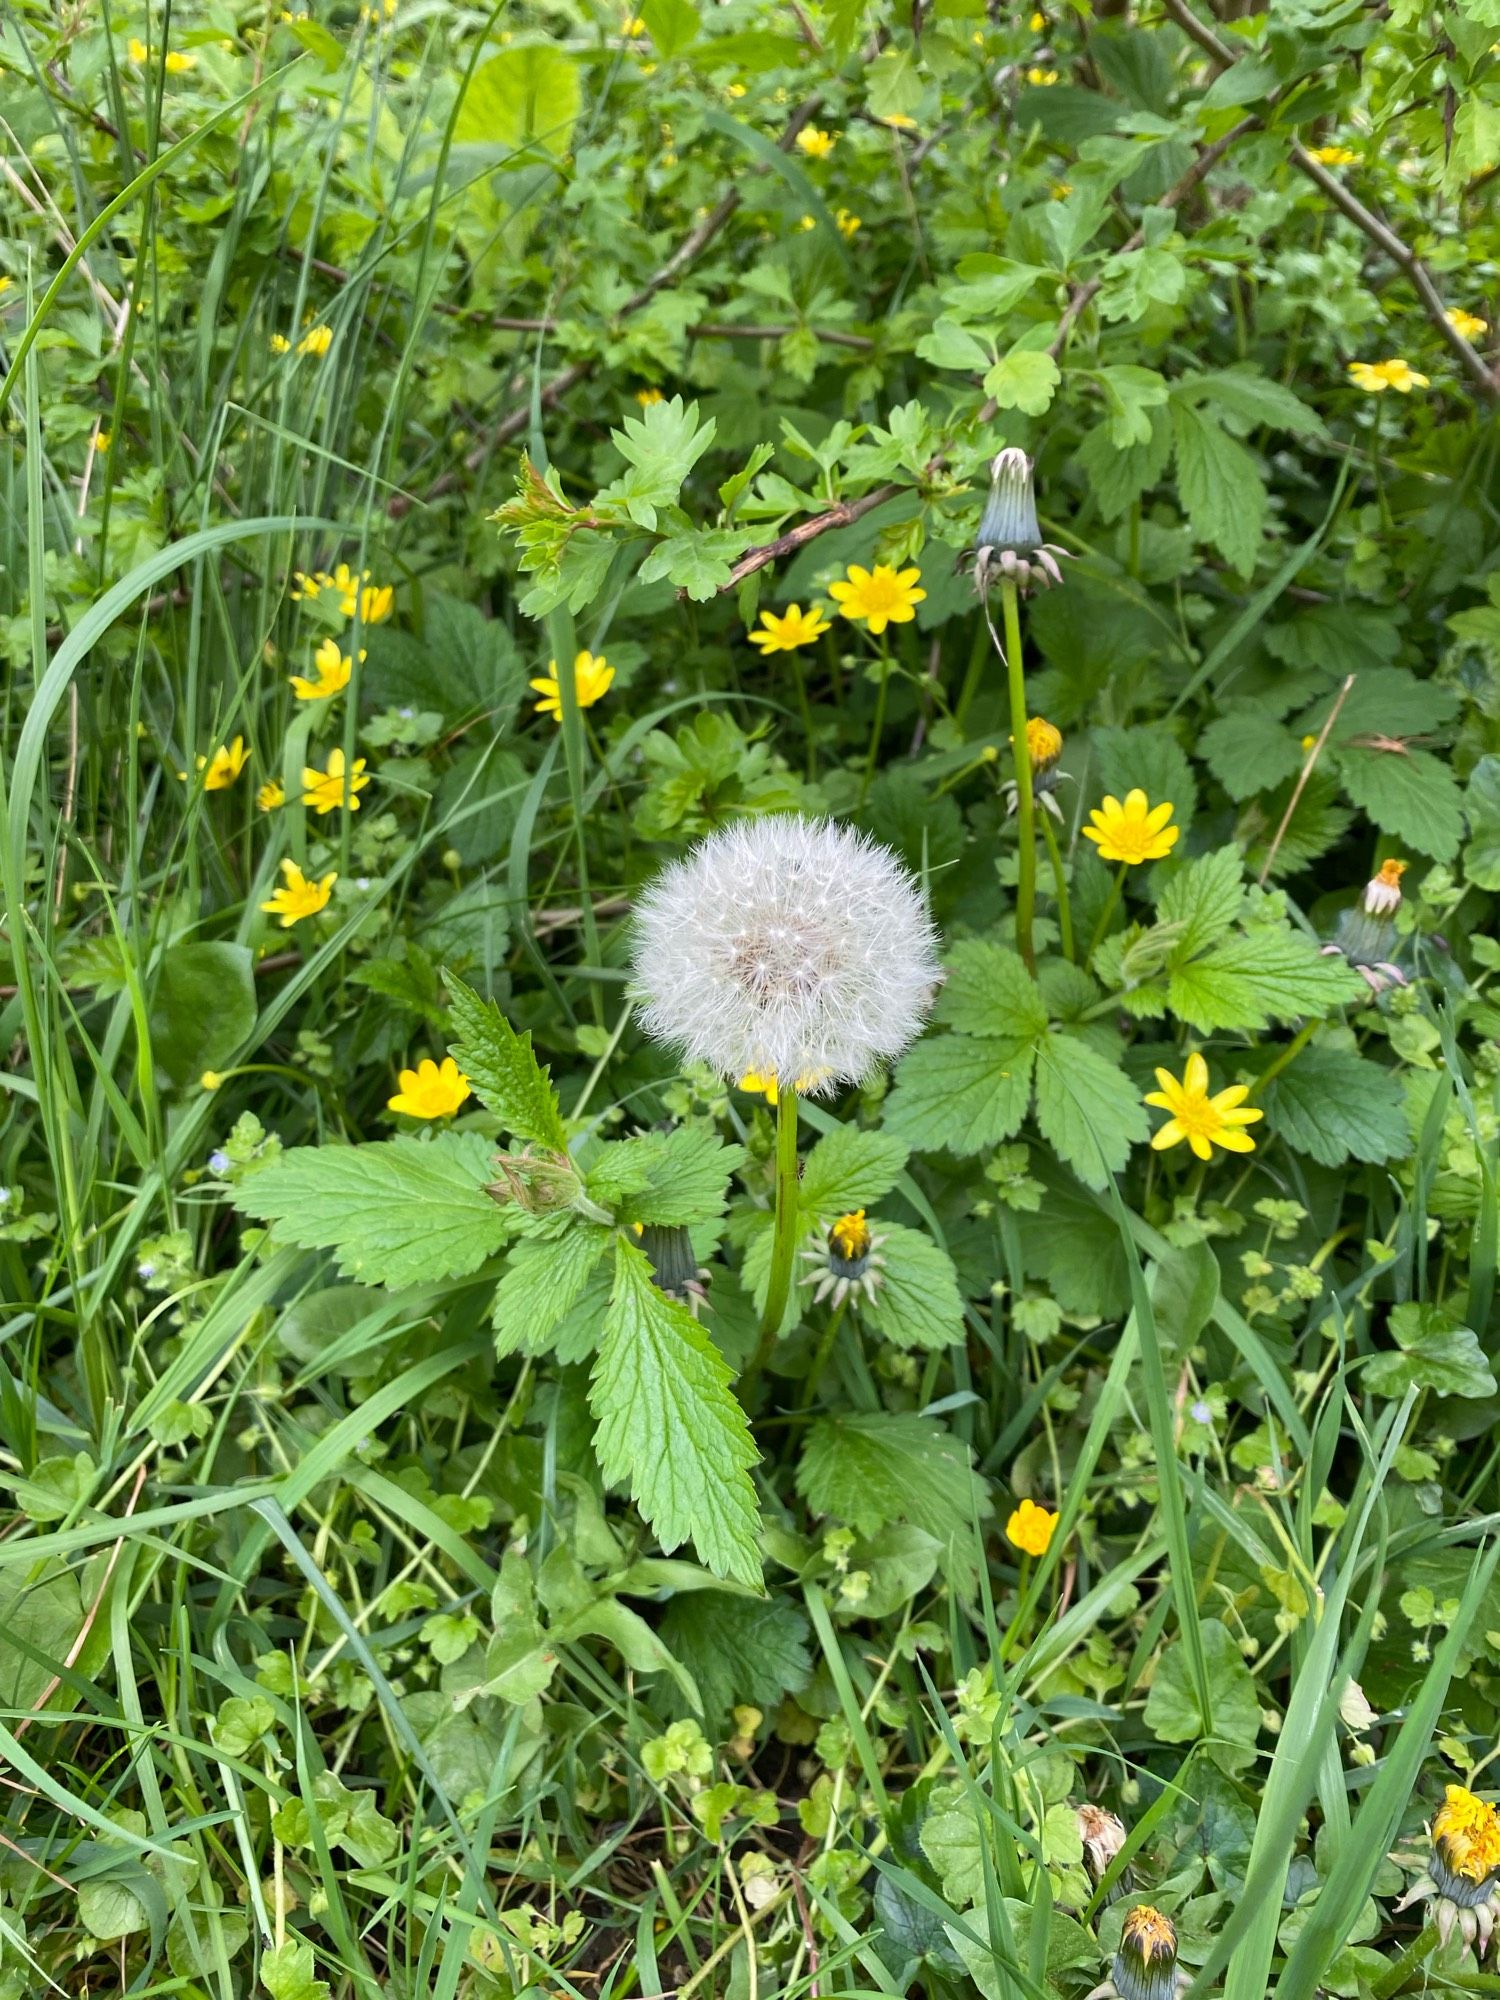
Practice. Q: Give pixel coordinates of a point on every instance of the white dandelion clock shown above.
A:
(786, 948)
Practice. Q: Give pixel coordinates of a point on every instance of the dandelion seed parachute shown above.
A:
(792, 948)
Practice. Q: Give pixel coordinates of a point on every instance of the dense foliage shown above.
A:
(525, 1473)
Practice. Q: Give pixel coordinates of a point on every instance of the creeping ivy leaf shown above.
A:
(917, 1302)
(1436, 1352)
(1331, 1103)
(286, 1972)
(868, 1468)
(960, 1094)
(850, 1168)
(504, 1072)
(668, 1424)
(1088, 1110)
(401, 1212)
(1173, 1711)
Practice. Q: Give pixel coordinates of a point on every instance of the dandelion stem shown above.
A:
(784, 1241)
(1111, 905)
(973, 674)
(1060, 884)
(1021, 758)
(820, 1358)
(1393, 1980)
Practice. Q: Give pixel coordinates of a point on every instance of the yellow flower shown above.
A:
(735, 89)
(899, 121)
(280, 344)
(1031, 1528)
(646, 397)
(795, 627)
(879, 597)
(177, 62)
(431, 1090)
(1039, 79)
(324, 791)
(1060, 190)
(373, 601)
(757, 1085)
(1378, 376)
(1133, 832)
(1469, 1832)
(1037, 23)
(634, 26)
(334, 669)
(1043, 742)
(591, 679)
(1470, 325)
(136, 50)
(299, 896)
(848, 224)
(808, 222)
(817, 145)
(1334, 156)
(1204, 1121)
(305, 584)
(270, 795)
(225, 765)
(317, 340)
(210, 1080)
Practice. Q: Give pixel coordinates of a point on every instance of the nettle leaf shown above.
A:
(401, 1212)
(988, 991)
(1245, 399)
(917, 1302)
(960, 1095)
(850, 1168)
(669, 1426)
(1410, 794)
(1332, 1103)
(1249, 751)
(1173, 1713)
(1203, 901)
(544, 1279)
(1436, 1352)
(1384, 701)
(1482, 802)
(738, 1649)
(500, 1065)
(1269, 973)
(677, 1178)
(1088, 1109)
(1222, 492)
(869, 1468)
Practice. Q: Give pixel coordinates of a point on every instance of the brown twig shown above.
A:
(1302, 777)
(842, 516)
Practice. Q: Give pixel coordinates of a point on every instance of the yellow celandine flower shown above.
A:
(1333, 156)
(795, 627)
(334, 669)
(178, 62)
(136, 50)
(849, 225)
(1134, 832)
(326, 790)
(1037, 23)
(591, 679)
(1039, 79)
(431, 1090)
(899, 121)
(1470, 325)
(634, 27)
(735, 89)
(373, 601)
(1031, 1528)
(304, 583)
(879, 597)
(280, 344)
(225, 765)
(646, 397)
(1377, 376)
(816, 144)
(104, 440)
(270, 795)
(299, 895)
(1204, 1121)
(807, 222)
(317, 340)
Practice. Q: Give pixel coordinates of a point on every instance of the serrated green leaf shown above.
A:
(1332, 1103)
(698, 560)
(1087, 1108)
(960, 1094)
(1249, 751)
(544, 1279)
(1246, 399)
(868, 1468)
(668, 1425)
(1410, 794)
(988, 991)
(661, 446)
(1384, 700)
(1204, 899)
(1116, 478)
(1482, 804)
(850, 1168)
(504, 1072)
(917, 1302)
(1148, 758)
(678, 1178)
(738, 1649)
(401, 1212)
(1221, 488)
(1267, 974)
(1024, 380)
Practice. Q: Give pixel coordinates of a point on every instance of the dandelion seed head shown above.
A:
(789, 948)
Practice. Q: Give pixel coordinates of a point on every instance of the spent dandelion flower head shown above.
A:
(1008, 542)
(783, 632)
(298, 895)
(1132, 831)
(1461, 1882)
(878, 597)
(1031, 1528)
(1365, 936)
(789, 949)
(1102, 1834)
(1204, 1119)
(1468, 324)
(592, 675)
(271, 795)
(1144, 1966)
(431, 1090)
(1375, 377)
(334, 786)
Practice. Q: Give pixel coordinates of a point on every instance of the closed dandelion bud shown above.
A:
(1145, 1966)
(537, 1181)
(673, 1265)
(1044, 746)
(1009, 541)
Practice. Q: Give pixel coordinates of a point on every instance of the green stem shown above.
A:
(1289, 1054)
(878, 726)
(1060, 884)
(978, 653)
(1393, 1980)
(1109, 909)
(820, 1357)
(784, 1242)
(1021, 758)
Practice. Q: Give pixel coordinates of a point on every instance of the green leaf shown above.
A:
(671, 24)
(1172, 1711)
(527, 93)
(1221, 489)
(1246, 399)
(698, 560)
(1204, 899)
(869, 1468)
(959, 1094)
(286, 1972)
(988, 991)
(1410, 794)
(950, 345)
(850, 1168)
(1131, 393)
(917, 1302)
(202, 1008)
(1331, 1103)
(500, 1065)
(738, 1649)
(675, 1178)
(1482, 803)
(108, 1909)
(1269, 973)
(661, 446)
(1384, 701)
(1117, 478)
(1249, 751)
(1148, 758)
(668, 1424)
(1023, 380)
(544, 1279)
(402, 1212)
(1087, 1109)
(1436, 1352)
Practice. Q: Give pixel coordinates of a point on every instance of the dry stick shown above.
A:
(1380, 233)
(1306, 772)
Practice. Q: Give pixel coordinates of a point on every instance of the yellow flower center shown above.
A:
(1151, 1935)
(1391, 873)
(850, 1236)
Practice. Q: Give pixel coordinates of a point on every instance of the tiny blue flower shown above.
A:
(1200, 1412)
(218, 1161)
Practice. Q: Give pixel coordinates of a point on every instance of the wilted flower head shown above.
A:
(848, 1261)
(1383, 890)
(1145, 1966)
(1462, 1880)
(1366, 937)
(786, 948)
(1102, 1834)
(1009, 542)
